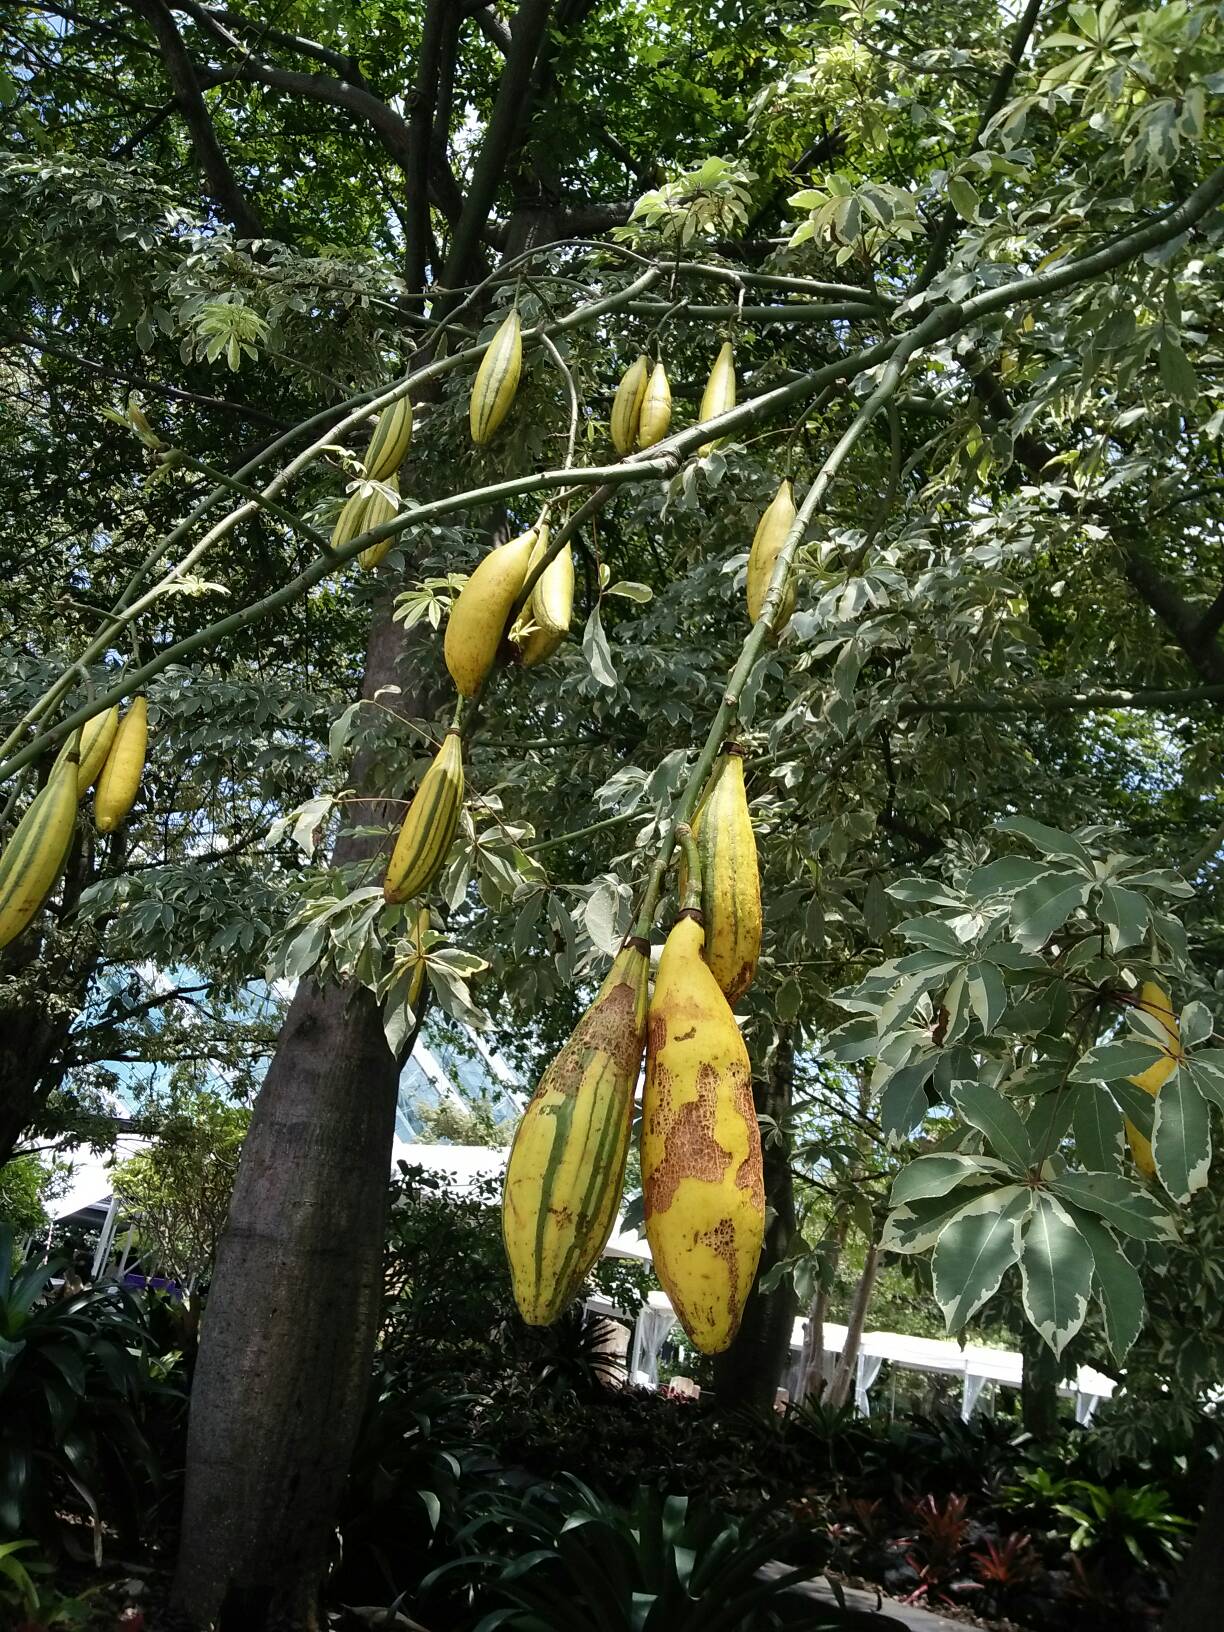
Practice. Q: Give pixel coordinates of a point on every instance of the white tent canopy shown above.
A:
(464, 1166)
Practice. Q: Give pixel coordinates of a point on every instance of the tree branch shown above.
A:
(387, 125)
(439, 21)
(187, 93)
(501, 139)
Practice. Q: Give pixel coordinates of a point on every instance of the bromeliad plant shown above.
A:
(1030, 1015)
(561, 1559)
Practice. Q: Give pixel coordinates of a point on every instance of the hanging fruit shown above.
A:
(35, 854)
(567, 1164)
(701, 1147)
(119, 782)
(496, 381)
(478, 618)
(390, 441)
(546, 617)
(379, 510)
(767, 541)
(428, 829)
(730, 878)
(719, 394)
(416, 981)
(350, 521)
(97, 735)
(656, 409)
(627, 406)
(1154, 1000)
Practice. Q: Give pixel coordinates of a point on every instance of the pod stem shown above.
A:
(692, 860)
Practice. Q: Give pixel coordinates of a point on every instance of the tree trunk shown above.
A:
(1038, 1386)
(1200, 1587)
(288, 1335)
(843, 1378)
(811, 1377)
(749, 1371)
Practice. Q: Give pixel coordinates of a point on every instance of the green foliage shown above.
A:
(569, 1559)
(77, 1391)
(177, 1191)
(1123, 1519)
(24, 1183)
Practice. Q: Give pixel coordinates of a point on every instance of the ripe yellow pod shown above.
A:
(627, 406)
(428, 830)
(656, 409)
(702, 1173)
(35, 854)
(496, 381)
(478, 618)
(730, 877)
(719, 394)
(379, 509)
(767, 541)
(390, 441)
(96, 738)
(567, 1165)
(546, 617)
(119, 782)
(1156, 1002)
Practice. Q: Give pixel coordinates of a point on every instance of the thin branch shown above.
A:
(501, 138)
(187, 93)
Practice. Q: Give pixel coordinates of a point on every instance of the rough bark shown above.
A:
(748, 1373)
(288, 1336)
(1200, 1587)
(843, 1378)
(1038, 1387)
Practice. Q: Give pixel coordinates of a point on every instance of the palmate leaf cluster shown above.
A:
(1017, 1010)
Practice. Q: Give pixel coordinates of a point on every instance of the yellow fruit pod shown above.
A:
(478, 617)
(627, 406)
(379, 510)
(719, 394)
(566, 1169)
(546, 618)
(496, 381)
(702, 1172)
(97, 735)
(1154, 1000)
(767, 542)
(390, 441)
(119, 782)
(656, 409)
(428, 830)
(35, 854)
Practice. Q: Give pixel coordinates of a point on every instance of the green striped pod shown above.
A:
(496, 380)
(566, 1168)
(379, 509)
(350, 521)
(33, 857)
(389, 443)
(429, 827)
(730, 877)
